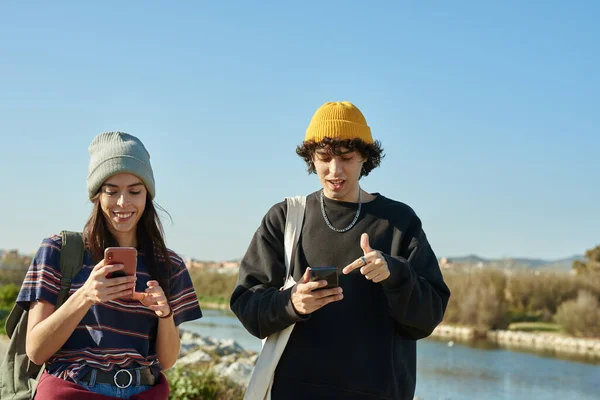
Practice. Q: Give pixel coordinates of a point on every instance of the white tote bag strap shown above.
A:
(293, 227)
(261, 381)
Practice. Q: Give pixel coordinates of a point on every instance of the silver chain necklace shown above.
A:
(355, 217)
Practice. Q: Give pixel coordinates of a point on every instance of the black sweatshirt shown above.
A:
(364, 346)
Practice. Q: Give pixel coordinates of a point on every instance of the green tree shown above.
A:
(591, 264)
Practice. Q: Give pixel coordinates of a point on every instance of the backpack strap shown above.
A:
(71, 261)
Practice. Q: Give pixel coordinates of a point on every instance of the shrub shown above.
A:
(12, 275)
(212, 285)
(4, 311)
(8, 295)
(530, 294)
(477, 299)
(580, 317)
(201, 383)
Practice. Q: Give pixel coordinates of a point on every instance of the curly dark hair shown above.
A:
(372, 152)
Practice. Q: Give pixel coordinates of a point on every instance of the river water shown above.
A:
(459, 371)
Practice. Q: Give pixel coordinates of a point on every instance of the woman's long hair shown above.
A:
(150, 241)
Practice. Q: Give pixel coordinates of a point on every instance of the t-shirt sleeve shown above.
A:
(42, 281)
(183, 299)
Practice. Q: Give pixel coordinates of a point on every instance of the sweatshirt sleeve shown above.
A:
(257, 300)
(416, 291)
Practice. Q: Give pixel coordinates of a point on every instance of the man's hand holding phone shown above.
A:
(307, 297)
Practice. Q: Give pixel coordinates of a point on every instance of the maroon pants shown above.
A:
(52, 388)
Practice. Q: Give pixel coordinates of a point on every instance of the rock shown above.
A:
(228, 346)
(187, 347)
(229, 359)
(191, 341)
(187, 336)
(239, 371)
(196, 357)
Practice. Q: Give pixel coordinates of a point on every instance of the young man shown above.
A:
(356, 341)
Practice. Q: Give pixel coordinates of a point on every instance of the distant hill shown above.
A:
(563, 264)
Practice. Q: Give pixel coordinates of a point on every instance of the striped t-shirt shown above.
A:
(118, 334)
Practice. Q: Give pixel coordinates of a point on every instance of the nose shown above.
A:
(121, 200)
(335, 165)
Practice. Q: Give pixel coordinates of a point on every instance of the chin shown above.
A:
(335, 195)
(124, 228)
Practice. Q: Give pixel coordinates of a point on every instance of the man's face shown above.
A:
(339, 174)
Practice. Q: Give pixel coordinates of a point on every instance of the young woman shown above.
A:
(104, 340)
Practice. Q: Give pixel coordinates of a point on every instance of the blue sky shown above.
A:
(487, 113)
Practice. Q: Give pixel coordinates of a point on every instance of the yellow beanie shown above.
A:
(338, 120)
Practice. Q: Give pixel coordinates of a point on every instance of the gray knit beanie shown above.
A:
(114, 153)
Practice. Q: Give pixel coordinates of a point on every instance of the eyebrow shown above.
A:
(116, 186)
(326, 153)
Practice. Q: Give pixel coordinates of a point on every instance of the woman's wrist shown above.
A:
(169, 315)
(81, 299)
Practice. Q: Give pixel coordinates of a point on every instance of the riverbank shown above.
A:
(212, 305)
(470, 370)
(517, 340)
(225, 357)
(548, 342)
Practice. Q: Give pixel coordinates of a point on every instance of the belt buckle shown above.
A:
(117, 375)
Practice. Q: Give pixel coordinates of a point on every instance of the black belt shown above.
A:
(123, 378)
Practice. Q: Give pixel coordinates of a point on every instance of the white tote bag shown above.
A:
(261, 381)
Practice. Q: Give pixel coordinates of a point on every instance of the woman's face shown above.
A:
(123, 201)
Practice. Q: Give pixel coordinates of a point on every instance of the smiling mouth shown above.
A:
(121, 216)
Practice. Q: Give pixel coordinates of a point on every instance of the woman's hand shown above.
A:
(154, 298)
(100, 289)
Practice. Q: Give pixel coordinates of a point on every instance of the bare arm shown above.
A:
(167, 335)
(48, 329)
(167, 342)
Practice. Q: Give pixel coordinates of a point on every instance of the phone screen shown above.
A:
(329, 274)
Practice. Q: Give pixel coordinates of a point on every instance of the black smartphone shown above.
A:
(329, 274)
